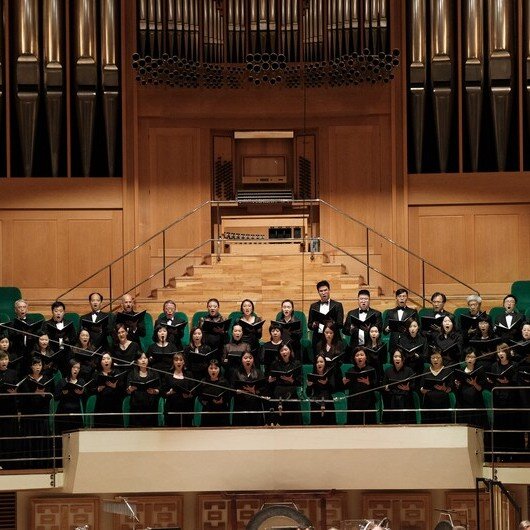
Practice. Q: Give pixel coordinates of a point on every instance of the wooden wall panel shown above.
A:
(406, 511)
(64, 513)
(48, 251)
(484, 246)
(496, 247)
(153, 511)
(226, 512)
(464, 504)
(37, 264)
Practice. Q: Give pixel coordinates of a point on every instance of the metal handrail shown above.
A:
(304, 203)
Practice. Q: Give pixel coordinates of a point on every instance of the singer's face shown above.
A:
(320, 364)
(276, 334)
(44, 341)
(374, 333)
(364, 302)
(360, 359)
(237, 332)
(285, 353)
(4, 344)
(447, 325)
(398, 359)
(526, 332)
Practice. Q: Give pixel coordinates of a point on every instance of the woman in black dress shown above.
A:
(469, 383)
(177, 387)
(332, 348)
(321, 386)
(251, 335)
(414, 347)
(435, 387)
(110, 391)
(69, 394)
(83, 352)
(197, 355)
(218, 337)
(8, 414)
(124, 350)
(160, 353)
(215, 396)
(503, 373)
(449, 341)
(248, 382)
(143, 385)
(285, 377)
(233, 351)
(399, 385)
(35, 429)
(359, 380)
(289, 334)
(376, 351)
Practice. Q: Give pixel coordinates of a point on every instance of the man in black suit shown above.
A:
(438, 301)
(359, 333)
(96, 322)
(509, 324)
(401, 312)
(175, 331)
(135, 325)
(325, 306)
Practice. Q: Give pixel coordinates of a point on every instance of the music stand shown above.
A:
(122, 506)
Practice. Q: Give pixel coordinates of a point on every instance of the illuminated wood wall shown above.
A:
(464, 221)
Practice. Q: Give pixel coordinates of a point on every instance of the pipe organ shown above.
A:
(64, 83)
(463, 100)
(226, 43)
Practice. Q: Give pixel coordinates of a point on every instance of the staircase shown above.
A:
(265, 279)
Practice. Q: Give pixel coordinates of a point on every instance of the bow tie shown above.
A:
(361, 311)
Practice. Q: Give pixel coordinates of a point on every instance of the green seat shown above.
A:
(126, 409)
(8, 297)
(179, 315)
(417, 405)
(35, 317)
(161, 409)
(459, 311)
(90, 407)
(146, 341)
(300, 315)
(527, 314)
(234, 316)
(196, 317)
(74, 318)
(197, 413)
(385, 337)
(4, 318)
(339, 401)
(495, 312)
(306, 369)
(452, 404)
(521, 290)
(487, 397)
(305, 405)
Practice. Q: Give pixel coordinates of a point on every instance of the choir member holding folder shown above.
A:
(249, 384)
(198, 354)
(435, 386)
(252, 326)
(134, 321)
(469, 382)
(97, 322)
(399, 384)
(214, 326)
(291, 328)
(143, 385)
(359, 381)
(285, 377)
(109, 387)
(175, 326)
(160, 353)
(321, 385)
(321, 311)
(214, 393)
(177, 389)
(34, 428)
(359, 321)
(449, 341)
(8, 412)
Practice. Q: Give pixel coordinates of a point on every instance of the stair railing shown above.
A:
(309, 243)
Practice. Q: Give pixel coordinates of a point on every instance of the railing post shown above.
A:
(423, 282)
(367, 257)
(164, 258)
(110, 286)
(218, 248)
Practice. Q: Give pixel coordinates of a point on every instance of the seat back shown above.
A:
(521, 289)
(8, 297)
